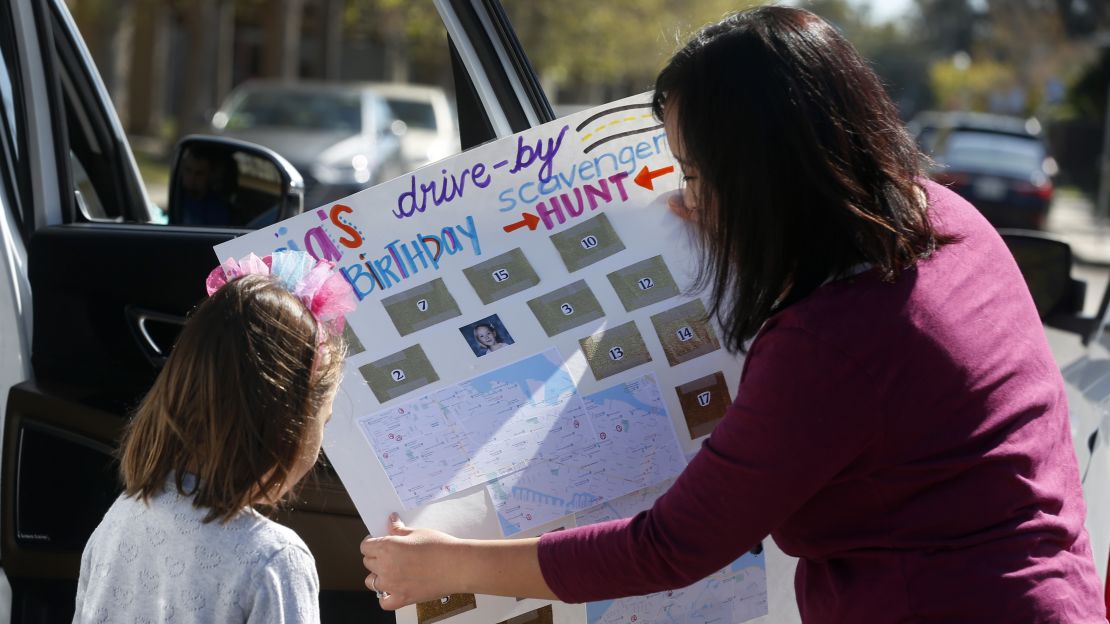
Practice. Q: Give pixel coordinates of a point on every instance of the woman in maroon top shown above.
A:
(900, 426)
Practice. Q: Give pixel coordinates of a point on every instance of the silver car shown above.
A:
(342, 137)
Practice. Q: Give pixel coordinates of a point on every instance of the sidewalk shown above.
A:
(1071, 218)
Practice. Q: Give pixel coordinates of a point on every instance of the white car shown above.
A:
(430, 130)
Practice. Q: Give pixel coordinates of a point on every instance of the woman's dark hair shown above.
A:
(235, 400)
(804, 169)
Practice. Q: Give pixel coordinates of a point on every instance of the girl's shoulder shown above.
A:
(269, 536)
(172, 520)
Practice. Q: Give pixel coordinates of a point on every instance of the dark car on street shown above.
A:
(999, 164)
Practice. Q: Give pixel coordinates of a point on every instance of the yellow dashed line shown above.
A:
(613, 123)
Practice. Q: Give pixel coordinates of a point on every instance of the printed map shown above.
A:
(494, 425)
(734, 594)
(635, 447)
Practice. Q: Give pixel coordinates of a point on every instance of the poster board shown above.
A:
(526, 354)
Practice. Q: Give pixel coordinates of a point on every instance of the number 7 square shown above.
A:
(421, 307)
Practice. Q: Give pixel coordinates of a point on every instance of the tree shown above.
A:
(412, 37)
(590, 50)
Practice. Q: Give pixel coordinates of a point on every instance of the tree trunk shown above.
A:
(282, 45)
(225, 50)
(393, 40)
(198, 97)
(149, 57)
(331, 38)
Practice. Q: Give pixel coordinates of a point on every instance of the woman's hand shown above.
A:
(677, 205)
(411, 565)
(416, 565)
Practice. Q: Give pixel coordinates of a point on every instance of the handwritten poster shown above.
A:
(526, 354)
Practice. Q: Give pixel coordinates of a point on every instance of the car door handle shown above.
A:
(155, 332)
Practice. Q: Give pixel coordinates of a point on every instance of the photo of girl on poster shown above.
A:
(487, 335)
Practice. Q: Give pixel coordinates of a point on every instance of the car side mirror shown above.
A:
(221, 182)
(1046, 262)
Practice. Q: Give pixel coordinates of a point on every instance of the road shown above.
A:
(1071, 219)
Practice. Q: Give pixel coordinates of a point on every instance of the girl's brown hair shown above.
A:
(804, 169)
(235, 401)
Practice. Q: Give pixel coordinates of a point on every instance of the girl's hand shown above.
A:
(411, 565)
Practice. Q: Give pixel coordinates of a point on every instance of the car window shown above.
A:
(93, 177)
(995, 151)
(7, 92)
(12, 130)
(296, 77)
(101, 181)
(415, 113)
(295, 109)
(383, 117)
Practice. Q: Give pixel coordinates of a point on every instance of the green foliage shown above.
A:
(968, 88)
(594, 42)
(409, 30)
(1088, 95)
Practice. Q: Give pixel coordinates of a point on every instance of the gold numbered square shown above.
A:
(354, 345)
(566, 308)
(684, 332)
(644, 283)
(615, 350)
(442, 608)
(588, 242)
(398, 374)
(420, 307)
(501, 276)
(704, 401)
(543, 615)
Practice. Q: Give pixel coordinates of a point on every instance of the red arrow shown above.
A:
(646, 175)
(529, 220)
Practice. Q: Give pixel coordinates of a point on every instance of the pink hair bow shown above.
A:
(324, 292)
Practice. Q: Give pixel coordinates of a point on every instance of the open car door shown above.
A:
(98, 294)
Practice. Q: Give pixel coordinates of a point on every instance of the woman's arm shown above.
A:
(805, 411)
(415, 565)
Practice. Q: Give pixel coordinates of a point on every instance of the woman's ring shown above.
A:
(377, 592)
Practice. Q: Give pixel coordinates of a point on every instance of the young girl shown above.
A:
(233, 422)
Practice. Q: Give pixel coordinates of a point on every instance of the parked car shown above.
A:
(997, 162)
(342, 137)
(430, 132)
(1006, 177)
(927, 126)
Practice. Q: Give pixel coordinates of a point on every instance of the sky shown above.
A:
(886, 10)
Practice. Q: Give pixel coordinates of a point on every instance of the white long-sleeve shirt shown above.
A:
(157, 562)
